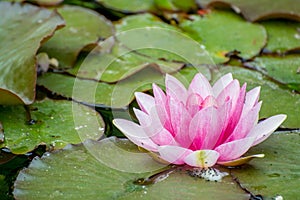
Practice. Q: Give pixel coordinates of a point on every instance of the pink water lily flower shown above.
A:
(200, 126)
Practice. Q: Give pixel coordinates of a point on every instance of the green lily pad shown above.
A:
(283, 69)
(21, 35)
(131, 6)
(175, 5)
(77, 169)
(258, 10)
(117, 63)
(82, 174)
(278, 172)
(47, 2)
(141, 21)
(117, 95)
(222, 32)
(149, 36)
(282, 35)
(84, 27)
(276, 100)
(58, 123)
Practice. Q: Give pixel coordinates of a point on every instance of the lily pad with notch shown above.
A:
(30, 27)
(84, 27)
(56, 124)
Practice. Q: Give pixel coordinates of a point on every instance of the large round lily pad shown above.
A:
(175, 5)
(23, 28)
(283, 35)
(283, 69)
(276, 100)
(278, 172)
(83, 27)
(117, 95)
(222, 32)
(80, 173)
(57, 123)
(83, 175)
(150, 36)
(117, 62)
(131, 6)
(257, 10)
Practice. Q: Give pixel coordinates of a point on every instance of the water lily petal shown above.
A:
(221, 84)
(144, 118)
(159, 95)
(251, 100)
(235, 149)
(162, 107)
(205, 128)
(245, 124)
(230, 92)
(175, 89)
(173, 154)
(209, 101)
(201, 86)
(145, 101)
(202, 158)
(236, 108)
(153, 128)
(135, 133)
(265, 128)
(193, 103)
(180, 120)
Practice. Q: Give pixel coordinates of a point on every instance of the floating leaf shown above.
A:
(82, 174)
(275, 99)
(76, 170)
(148, 35)
(282, 35)
(117, 95)
(92, 92)
(117, 63)
(283, 69)
(175, 5)
(58, 123)
(278, 172)
(131, 6)
(222, 32)
(257, 10)
(84, 27)
(21, 35)
(47, 2)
